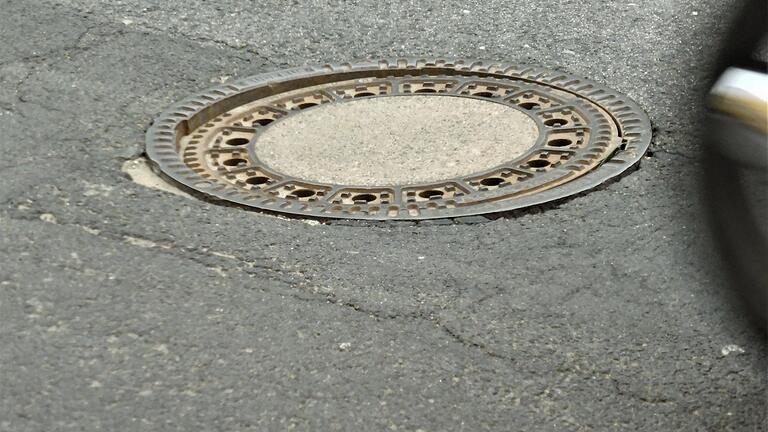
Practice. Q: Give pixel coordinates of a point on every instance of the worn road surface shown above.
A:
(127, 308)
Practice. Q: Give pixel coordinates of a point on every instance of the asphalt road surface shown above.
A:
(124, 307)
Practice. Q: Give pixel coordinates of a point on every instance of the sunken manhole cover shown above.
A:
(400, 139)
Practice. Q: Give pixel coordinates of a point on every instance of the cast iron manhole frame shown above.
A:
(609, 134)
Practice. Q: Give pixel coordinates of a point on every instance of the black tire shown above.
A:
(731, 150)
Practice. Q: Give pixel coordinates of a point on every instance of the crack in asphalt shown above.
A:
(665, 151)
(253, 268)
(53, 57)
(220, 43)
(654, 400)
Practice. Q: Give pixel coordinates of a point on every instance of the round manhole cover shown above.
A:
(401, 139)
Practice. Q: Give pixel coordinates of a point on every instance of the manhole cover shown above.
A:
(400, 139)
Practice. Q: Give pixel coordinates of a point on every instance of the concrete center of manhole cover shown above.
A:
(396, 140)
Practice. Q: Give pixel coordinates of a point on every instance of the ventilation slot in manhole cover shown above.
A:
(402, 139)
